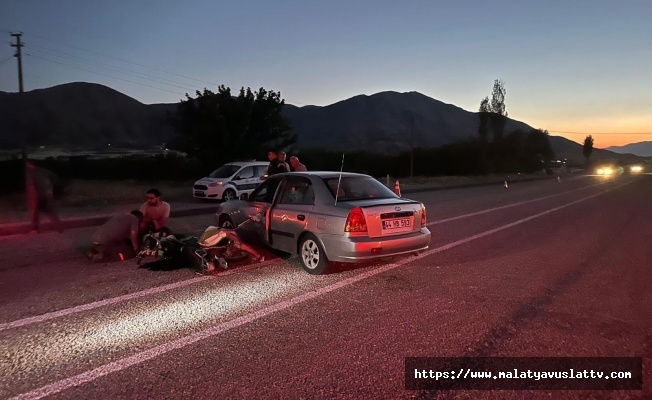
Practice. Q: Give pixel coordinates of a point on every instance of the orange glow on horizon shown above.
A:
(608, 128)
(604, 140)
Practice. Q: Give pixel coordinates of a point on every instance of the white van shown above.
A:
(230, 180)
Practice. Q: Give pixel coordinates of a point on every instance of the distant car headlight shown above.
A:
(600, 171)
(608, 171)
(636, 168)
(213, 184)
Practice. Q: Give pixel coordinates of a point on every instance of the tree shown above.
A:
(537, 149)
(587, 149)
(217, 127)
(483, 113)
(498, 110)
(493, 115)
(494, 112)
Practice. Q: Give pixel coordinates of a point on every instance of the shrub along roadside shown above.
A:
(456, 159)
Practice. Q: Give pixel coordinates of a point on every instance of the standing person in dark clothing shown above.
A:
(272, 168)
(40, 185)
(112, 239)
(283, 166)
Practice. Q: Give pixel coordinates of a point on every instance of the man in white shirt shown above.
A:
(296, 164)
(155, 213)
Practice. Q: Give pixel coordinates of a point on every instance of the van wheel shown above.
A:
(312, 256)
(229, 194)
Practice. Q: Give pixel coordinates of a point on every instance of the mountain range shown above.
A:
(86, 115)
(643, 149)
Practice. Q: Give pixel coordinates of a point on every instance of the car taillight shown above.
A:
(423, 215)
(355, 222)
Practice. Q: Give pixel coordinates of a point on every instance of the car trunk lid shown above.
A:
(392, 217)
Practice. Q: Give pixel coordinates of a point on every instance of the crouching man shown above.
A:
(156, 213)
(117, 239)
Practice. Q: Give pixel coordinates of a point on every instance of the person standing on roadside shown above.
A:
(296, 164)
(40, 185)
(155, 213)
(283, 166)
(112, 239)
(272, 168)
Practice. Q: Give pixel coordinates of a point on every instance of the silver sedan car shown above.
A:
(326, 217)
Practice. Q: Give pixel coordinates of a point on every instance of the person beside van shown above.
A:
(272, 168)
(283, 166)
(296, 164)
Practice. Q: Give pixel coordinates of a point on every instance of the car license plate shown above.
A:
(397, 225)
(199, 193)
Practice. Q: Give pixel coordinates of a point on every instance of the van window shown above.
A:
(225, 171)
(261, 170)
(246, 173)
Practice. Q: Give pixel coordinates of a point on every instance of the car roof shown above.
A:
(322, 174)
(243, 163)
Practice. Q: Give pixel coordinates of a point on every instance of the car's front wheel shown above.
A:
(312, 256)
(229, 194)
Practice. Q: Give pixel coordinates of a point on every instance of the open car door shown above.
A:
(289, 213)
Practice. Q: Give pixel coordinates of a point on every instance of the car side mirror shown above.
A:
(244, 196)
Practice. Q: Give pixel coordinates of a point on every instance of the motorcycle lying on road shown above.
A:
(212, 251)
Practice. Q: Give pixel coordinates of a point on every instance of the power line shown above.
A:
(133, 63)
(99, 73)
(126, 61)
(115, 69)
(5, 60)
(602, 133)
(141, 65)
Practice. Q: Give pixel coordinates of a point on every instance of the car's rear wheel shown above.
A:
(312, 256)
(229, 194)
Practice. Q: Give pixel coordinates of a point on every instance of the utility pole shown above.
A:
(19, 55)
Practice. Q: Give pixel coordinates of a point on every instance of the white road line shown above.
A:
(157, 351)
(441, 221)
(119, 299)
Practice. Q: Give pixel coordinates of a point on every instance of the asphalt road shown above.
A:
(541, 269)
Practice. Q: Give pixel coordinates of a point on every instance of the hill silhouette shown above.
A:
(643, 149)
(81, 115)
(87, 115)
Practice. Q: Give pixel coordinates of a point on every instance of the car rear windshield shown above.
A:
(225, 171)
(358, 188)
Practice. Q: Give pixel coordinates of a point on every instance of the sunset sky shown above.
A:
(570, 67)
